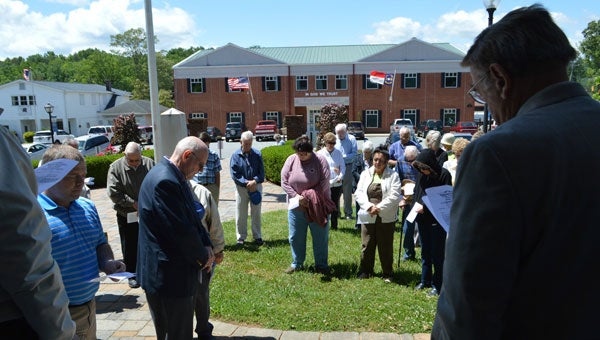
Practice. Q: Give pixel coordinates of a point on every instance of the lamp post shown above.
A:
(49, 109)
(490, 6)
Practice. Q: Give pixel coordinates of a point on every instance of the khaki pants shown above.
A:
(85, 320)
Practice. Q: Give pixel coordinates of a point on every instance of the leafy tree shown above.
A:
(590, 45)
(331, 115)
(126, 130)
(165, 98)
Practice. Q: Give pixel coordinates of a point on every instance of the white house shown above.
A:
(76, 106)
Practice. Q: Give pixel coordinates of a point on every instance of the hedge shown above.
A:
(274, 157)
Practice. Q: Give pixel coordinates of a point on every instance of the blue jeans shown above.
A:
(298, 226)
(433, 246)
(409, 239)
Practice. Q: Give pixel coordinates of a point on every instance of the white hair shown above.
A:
(132, 148)
(247, 135)
(340, 127)
(411, 150)
(403, 129)
(434, 138)
(368, 146)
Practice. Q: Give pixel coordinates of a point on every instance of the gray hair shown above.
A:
(72, 142)
(132, 148)
(247, 135)
(525, 41)
(411, 150)
(191, 143)
(62, 151)
(433, 139)
(340, 127)
(368, 146)
(403, 129)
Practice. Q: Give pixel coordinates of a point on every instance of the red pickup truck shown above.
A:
(265, 129)
(468, 127)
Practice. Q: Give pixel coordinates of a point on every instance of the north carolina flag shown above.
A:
(26, 74)
(381, 78)
(240, 83)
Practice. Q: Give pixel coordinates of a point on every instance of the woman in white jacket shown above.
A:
(378, 194)
(337, 169)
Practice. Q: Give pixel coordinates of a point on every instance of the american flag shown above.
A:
(239, 83)
(26, 74)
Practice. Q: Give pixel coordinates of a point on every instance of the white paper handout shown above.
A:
(120, 276)
(53, 172)
(439, 202)
(132, 217)
(412, 214)
(294, 203)
(363, 217)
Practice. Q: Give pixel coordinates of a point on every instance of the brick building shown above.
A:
(429, 83)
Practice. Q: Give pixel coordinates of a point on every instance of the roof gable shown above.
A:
(229, 54)
(415, 50)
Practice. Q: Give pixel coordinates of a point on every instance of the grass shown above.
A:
(251, 288)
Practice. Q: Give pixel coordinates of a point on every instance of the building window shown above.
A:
(369, 85)
(272, 115)
(198, 115)
(196, 85)
(301, 83)
(21, 86)
(235, 117)
(271, 84)
(341, 82)
(410, 114)
(81, 99)
(15, 100)
(321, 82)
(371, 118)
(449, 117)
(450, 79)
(410, 81)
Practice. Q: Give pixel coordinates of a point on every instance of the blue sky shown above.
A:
(66, 26)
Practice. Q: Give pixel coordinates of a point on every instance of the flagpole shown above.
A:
(250, 88)
(392, 91)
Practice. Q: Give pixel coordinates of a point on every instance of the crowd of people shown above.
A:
(519, 232)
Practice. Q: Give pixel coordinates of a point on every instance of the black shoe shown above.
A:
(324, 271)
(259, 242)
(421, 286)
(433, 293)
(363, 276)
(133, 283)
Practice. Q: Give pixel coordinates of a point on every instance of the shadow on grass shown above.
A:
(242, 337)
(253, 247)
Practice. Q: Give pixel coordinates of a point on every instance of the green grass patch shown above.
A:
(251, 288)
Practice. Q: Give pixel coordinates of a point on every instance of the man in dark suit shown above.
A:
(520, 256)
(174, 249)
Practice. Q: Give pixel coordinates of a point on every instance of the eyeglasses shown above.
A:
(474, 93)
(200, 164)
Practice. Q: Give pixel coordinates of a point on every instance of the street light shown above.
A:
(490, 6)
(49, 109)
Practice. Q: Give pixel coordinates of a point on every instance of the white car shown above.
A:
(35, 150)
(92, 145)
(106, 130)
(43, 137)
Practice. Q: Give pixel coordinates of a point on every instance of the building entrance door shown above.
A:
(313, 126)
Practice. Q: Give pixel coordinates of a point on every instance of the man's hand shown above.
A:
(211, 259)
(373, 210)
(219, 257)
(135, 205)
(251, 186)
(113, 266)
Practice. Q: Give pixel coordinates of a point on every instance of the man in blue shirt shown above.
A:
(78, 242)
(406, 171)
(248, 172)
(396, 150)
(210, 176)
(346, 143)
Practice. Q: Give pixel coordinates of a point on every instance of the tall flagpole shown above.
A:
(250, 88)
(392, 91)
(153, 84)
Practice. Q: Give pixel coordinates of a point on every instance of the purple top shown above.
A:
(297, 176)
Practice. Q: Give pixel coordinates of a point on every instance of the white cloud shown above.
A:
(396, 30)
(76, 3)
(25, 32)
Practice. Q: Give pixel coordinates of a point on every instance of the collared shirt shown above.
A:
(347, 147)
(124, 182)
(211, 168)
(335, 160)
(396, 150)
(76, 233)
(406, 171)
(247, 167)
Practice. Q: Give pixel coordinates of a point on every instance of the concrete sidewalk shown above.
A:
(122, 312)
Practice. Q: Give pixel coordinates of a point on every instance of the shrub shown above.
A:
(28, 136)
(331, 115)
(126, 130)
(273, 158)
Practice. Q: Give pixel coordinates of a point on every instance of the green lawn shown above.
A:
(250, 286)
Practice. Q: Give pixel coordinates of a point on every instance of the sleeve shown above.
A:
(260, 174)
(360, 195)
(357, 168)
(325, 174)
(482, 249)
(236, 169)
(115, 188)
(285, 177)
(340, 160)
(212, 220)
(34, 288)
(391, 200)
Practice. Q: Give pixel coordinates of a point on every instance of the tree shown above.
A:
(126, 130)
(590, 45)
(331, 115)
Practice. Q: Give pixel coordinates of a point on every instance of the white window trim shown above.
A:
(371, 113)
(305, 78)
(194, 81)
(340, 77)
(369, 85)
(271, 79)
(317, 78)
(448, 75)
(408, 76)
(272, 115)
(449, 112)
(198, 115)
(235, 114)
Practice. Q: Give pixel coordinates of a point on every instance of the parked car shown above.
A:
(214, 133)
(43, 137)
(234, 131)
(468, 127)
(91, 145)
(146, 134)
(356, 129)
(464, 135)
(265, 129)
(400, 122)
(35, 150)
(106, 130)
(430, 124)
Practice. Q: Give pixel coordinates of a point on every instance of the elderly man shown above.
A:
(520, 260)
(406, 171)
(248, 173)
(174, 251)
(33, 301)
(346, 143)
(78, 242)
(124, 180)
(396, 150)
(210, 176)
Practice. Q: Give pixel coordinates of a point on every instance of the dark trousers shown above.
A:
(408, 229)
(433, 246)
(202, 306)
(336, 193)
(128, 232)
(378, 236)
(17, 329)
(173, 317)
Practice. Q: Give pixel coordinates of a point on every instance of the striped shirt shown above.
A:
(209, 173)
(76, 233)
